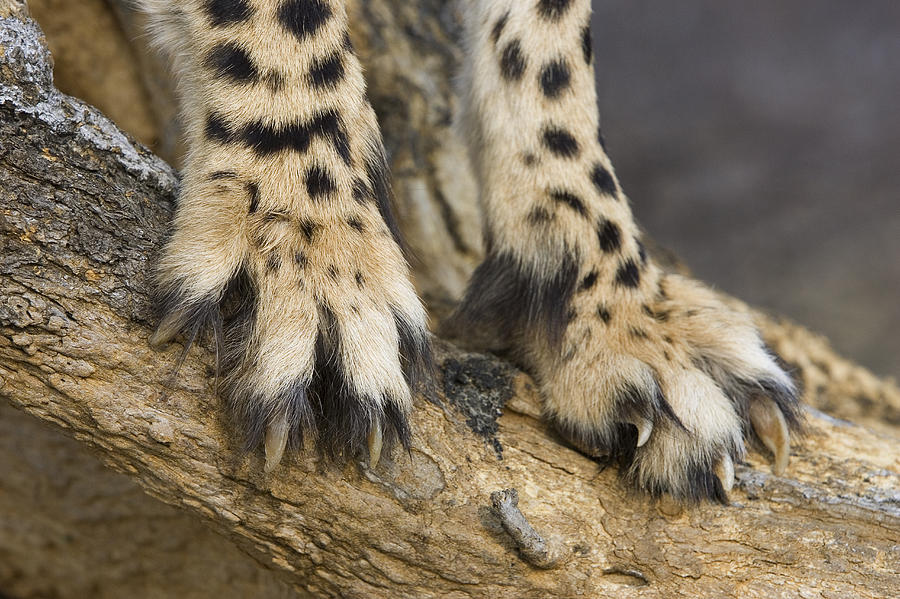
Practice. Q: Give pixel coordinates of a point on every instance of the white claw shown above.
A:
(276, 440)
(725, 472)
(375, 442)
(644, 427)
(771, 428)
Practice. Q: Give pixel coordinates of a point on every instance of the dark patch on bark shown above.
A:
(479, 386)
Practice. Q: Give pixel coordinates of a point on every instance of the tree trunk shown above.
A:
(84, 210)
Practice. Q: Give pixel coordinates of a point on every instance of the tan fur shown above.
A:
(550, 198)
(597, 360)
(214, 236)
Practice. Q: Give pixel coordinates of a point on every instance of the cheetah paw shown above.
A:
(665, 380)
(318, 329)
(669, 388)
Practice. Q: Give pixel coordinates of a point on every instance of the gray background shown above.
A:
(761, 142)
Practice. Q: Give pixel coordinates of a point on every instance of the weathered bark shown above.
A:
(83, 212)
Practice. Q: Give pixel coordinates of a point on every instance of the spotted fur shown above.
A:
(285, 213)
(285, 247)
(615, 344)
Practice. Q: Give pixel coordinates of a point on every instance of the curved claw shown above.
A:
(375, 441)
(169, 327)
(276, 440)
(644, 427)
(772, 429)
(725, 472)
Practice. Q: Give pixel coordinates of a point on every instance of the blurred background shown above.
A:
(761, 142)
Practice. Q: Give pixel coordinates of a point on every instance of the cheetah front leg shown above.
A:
(284, 208)
(651, 368)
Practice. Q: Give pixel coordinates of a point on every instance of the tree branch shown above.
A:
(85, 210)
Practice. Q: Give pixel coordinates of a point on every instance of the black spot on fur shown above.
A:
(628, 274)
(511, 298)
(301, 260)
(276, 217)
(265, 139)
(333, 273)
(604, 314)
(569, 199)
(328, 71)
(360, 191)
(217, 128)
(539, 216)
(355, 224)
(308, 228)
(589, 281)
(253, 192)
(637, 333)
(273, 80)
(587, 44)
(230, 61)
(227, 12)
(342, 145)
(661, 316)
(529, 159)
(610, 236)
(560, 142)
(303, 17)
(360, 279)
(220, 175)
(553, 9)
(662, 291)
(512, 61)
(555, 78)
(319, 183)
(497, 29)
(604, 181)
(273, 263)
(330, 126)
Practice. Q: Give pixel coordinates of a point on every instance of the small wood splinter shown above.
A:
(535, 550)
